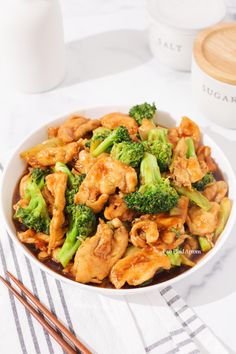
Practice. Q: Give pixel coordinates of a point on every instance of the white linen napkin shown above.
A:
(135, 324)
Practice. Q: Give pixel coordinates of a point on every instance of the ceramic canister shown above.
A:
(214, 74)
(174, 24)
(32, 50)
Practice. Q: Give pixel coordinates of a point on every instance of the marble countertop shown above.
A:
(109, 62)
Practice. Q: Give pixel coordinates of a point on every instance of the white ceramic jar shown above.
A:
(214, 74)
(174, 24)
(32, 50)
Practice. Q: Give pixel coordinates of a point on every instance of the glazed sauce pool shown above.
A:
(160, 277)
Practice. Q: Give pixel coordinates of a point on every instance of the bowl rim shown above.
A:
(110, 291)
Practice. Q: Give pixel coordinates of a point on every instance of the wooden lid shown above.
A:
(215, 52)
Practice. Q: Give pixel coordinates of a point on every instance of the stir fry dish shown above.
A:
(120, 201)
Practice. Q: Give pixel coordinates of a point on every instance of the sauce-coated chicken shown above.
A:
(97, 254)
(138, 266)
(102, 180)
(56, 184)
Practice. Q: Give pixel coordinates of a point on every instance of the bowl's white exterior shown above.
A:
(16, 166)
(215, 99)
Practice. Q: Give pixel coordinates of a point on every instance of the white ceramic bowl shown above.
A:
(15, 167)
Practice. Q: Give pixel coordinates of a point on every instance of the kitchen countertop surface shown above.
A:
(109, 62)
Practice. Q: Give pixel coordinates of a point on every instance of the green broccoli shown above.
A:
(174, 257)
(225, 208)
(207, 179)
(195, 196)
(205, 244)
(117, 135)
(155, 194)
(99, 135)
(74, 181)
(141, 111)
(82, 223)
(35, 214)
(158, 145)
(130, 153)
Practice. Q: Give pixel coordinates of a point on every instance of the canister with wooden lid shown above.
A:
(214, 74)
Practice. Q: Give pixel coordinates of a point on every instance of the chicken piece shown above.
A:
(66, 131)
(97, 254)
(201, 222)
(84, 162)
(102, 180)
(145, 128)
(181, 209)
(189, 128)
(173, 136)
(57, 183)
(117, 208)
(206, 161)
(185, 171)
(52, 132)
(48, 197)
(23, 185)
(179, 172)
(86, 128)
(40, 240)
(143, 233)
(50, 155)
(138, 266)
(216, 191)
(170, 244)
(116, 119)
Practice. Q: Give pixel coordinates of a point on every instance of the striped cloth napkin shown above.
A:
(135, 324)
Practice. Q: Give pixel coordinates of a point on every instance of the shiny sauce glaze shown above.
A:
(159, 277)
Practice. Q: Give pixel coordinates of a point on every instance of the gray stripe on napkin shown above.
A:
(198, 330)
(65, 307)
(158, 343)
(35, 291)
(28, 315)
(13, 305)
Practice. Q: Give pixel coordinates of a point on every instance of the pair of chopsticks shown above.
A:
(60, 340)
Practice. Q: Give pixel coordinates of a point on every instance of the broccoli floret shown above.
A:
(141, 111)
(38, 176)
(207, 179)
(99, 135)
(35, 214)
(117, 135)
(82, 223)
(130, 153)
(155, 194)
(158, 145)
(74, 181)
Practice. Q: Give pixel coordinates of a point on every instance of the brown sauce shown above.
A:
(160, 277)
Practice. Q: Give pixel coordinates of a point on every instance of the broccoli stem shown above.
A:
(204, 244)
(174, 257)
(69, 247)
(149, 170)
(191, 149)
(195, 196)
(61, 167)
(225, 208)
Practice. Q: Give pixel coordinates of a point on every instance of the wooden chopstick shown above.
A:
(50, 316)
(68, 349)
